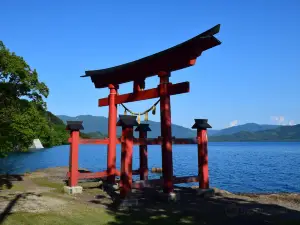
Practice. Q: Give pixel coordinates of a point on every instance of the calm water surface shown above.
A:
(236, 167)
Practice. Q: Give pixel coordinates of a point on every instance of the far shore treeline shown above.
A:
(23, 110)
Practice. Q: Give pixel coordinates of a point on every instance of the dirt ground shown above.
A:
(41, 192)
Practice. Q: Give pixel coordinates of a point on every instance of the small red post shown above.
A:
(127, 122)
(201, 125)
(74, 127)
(166, 131)
(143, 128)
(112, 134)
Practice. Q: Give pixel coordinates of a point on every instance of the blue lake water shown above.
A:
(236, 167)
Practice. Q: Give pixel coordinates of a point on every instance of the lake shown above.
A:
(236, 167)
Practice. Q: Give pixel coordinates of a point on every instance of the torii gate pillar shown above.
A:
(166, 132)
(112, 133)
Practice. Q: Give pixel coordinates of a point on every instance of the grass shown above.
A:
(15, 187)
(75, 214)
(44, 182)
(58, 195)
(18, 187)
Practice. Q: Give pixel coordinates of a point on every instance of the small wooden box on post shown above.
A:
(201, 125)
(143, 128)
(127, 123)
(73, 127)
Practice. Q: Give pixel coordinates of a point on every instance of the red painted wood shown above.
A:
(112, 134)
(202, 159)
(193, 61)
(126, 161)
(73, 164)
(143, 157)
(175, 89)
(166, 132)
(137, 141)
(136, 86)
(94, 141)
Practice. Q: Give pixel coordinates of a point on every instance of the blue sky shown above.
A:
(253, 76)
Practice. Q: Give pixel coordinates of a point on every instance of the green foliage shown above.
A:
(23, 115)
(18, 79)
(57, 136)
(54, 119)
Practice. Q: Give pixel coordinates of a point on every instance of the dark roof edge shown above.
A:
(209, 33)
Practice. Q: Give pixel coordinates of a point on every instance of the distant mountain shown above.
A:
(249, 127)
(90, 123)
(282, 133)
(97, 126)
(100, 124)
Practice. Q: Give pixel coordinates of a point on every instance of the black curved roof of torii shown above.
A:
(175, 58)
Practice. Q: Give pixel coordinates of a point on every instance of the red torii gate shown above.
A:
(161, 64)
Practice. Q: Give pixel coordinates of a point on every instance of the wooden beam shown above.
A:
(138, 141)
(174, 89)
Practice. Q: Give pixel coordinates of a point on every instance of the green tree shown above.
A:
(23, 115)
(18, 80)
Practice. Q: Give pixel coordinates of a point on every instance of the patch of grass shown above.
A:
(76, 214)
(18, 187)
(15, 187)
(44, 182)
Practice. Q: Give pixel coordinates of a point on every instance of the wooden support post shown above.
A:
(166, 132)
(143, 129)
(126, 122)
(201, 125)
(112, 134)
(138, 85)
(74, 127)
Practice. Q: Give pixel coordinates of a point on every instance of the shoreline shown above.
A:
(65, 168)
(39, 194)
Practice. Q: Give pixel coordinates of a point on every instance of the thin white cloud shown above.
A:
(278, 119)
(233, 123)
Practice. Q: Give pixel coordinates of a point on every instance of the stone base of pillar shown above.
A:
(205, 192)
(73, 190)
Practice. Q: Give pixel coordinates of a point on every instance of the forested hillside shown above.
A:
(23, 110)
